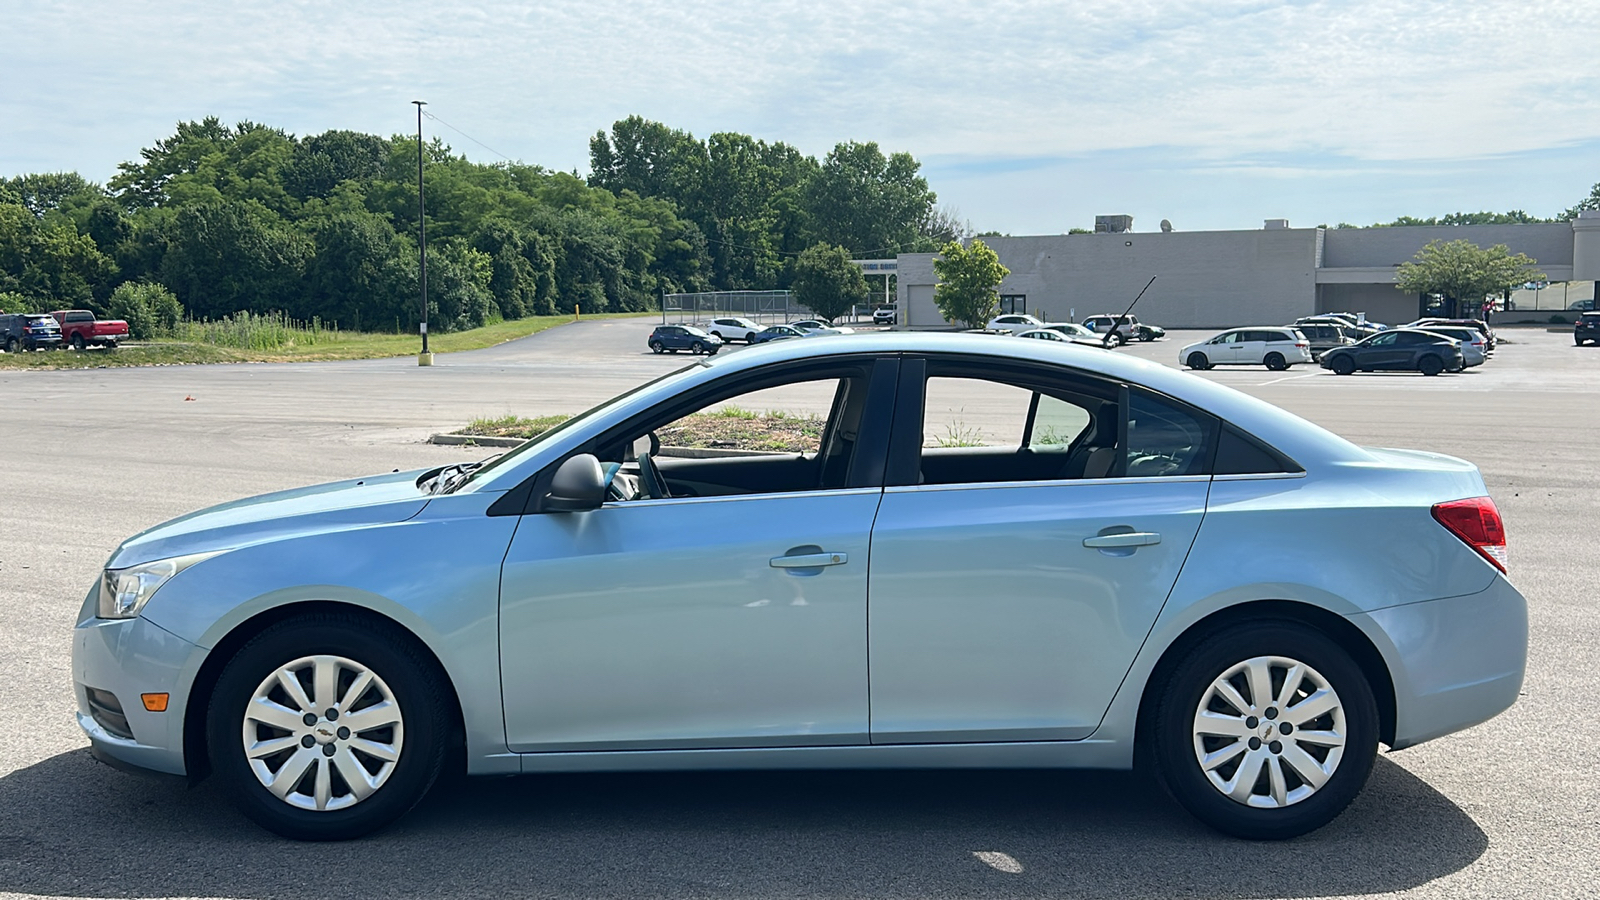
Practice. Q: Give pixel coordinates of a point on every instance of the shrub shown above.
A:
(149, 309)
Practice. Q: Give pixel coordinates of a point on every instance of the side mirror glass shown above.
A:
(579, 484)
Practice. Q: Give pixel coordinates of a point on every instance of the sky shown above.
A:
(1028, 117)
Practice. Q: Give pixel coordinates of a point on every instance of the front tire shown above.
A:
(1343, 365)
(750, 338)
(1198, 361)
(1266, 731)
(697, 348)
(328, 727)
(78, 343)
(657, 347)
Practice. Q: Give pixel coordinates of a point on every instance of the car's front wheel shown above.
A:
(1198, 361)
(1343, 365)
(78, 343)
(697, 348)
(657, 347)
(327, 727)
(1266, 731)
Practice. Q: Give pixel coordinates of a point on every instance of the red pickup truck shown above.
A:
(80, 329)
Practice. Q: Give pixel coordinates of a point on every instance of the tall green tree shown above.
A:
(968, 277)
(826, 282)
(1461, 271)
(869, 203)
(1588, 203)
(224, 256)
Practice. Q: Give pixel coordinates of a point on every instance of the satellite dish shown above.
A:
(1166, 226)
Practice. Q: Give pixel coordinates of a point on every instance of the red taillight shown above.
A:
(1477, 522)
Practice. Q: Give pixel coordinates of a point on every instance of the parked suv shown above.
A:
(734, 328)
(888, 314)
(672, 338)
(1276, 348)
(1398, 348)
(1587, 328)
(1324, 336)
(29, 331)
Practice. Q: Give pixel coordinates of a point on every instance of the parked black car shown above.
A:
(29, 331)
(1587, 328)
(1408, 349)
(777, 333)
(672, 338)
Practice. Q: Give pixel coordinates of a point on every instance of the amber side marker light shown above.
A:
(154, 702)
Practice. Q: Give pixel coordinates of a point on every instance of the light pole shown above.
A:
(424, 358)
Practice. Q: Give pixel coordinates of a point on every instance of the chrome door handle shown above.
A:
(1125, 539)
(809, 560)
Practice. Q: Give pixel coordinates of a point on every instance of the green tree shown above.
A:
(968, 277)
(869, 203)
(223, 257)
(826, 282)
(149, 309)
(1588, 203)
(1461, 271)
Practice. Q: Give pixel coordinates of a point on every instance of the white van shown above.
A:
(1275, 347)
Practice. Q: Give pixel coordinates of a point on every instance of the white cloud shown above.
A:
(1218, 80)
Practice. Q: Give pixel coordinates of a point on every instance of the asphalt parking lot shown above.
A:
(89, 457)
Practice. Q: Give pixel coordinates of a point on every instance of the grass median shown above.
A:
(305, 347)
(728, 428)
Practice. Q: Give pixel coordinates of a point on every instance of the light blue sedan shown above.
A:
(987, 553)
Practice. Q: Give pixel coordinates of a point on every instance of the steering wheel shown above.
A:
(654, 483)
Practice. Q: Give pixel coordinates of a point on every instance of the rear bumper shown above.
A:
(1454, 662)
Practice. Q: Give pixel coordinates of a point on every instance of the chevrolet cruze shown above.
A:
(952, 551)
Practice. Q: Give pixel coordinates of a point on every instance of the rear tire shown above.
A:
(1275, 362)
(391, 765)
(1430, 365)
(1343, 365)
(1198, 361)
(1248, 772)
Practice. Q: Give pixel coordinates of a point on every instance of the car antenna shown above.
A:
(1112, 334)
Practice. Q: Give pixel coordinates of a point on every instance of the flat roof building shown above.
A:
(1216, 279)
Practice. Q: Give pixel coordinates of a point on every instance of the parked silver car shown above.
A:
(592, 601)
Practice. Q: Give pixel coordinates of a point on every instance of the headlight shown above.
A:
(123, 592)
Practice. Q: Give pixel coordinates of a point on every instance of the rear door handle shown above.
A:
(809, 560)
(1125, 539)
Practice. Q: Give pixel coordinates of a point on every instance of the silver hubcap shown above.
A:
(323, 733)
(1269, 732)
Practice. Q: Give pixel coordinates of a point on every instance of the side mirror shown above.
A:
(579, 484)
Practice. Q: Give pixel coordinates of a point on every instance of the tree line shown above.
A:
(219, 219)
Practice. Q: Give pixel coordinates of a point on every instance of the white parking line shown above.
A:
(1288, 378)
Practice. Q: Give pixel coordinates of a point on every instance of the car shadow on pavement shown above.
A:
(73, 827)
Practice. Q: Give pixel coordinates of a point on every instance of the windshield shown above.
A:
(502, 459)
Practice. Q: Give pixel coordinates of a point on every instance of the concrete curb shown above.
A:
(476, 440)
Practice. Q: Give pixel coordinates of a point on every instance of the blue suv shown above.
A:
(672, 338)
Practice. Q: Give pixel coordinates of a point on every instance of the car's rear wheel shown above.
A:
(327, 727)
(1275, 362)
(1430, 365)
(1343, 365)
(1266, 731)
(1122, 339)
(1198, 361)
(657, 347)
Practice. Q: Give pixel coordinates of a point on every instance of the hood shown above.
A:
(340, 505)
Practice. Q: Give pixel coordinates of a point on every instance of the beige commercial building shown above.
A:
(1216, 279)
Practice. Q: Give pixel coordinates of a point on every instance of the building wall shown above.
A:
(1203, 278)
(1219, 279)
(1550, 244)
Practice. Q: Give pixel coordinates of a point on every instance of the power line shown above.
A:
(469, 137)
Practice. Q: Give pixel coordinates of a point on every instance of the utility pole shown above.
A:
(424, 358)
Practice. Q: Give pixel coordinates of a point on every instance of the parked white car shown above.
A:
(1076, 333)
(1011, 323)
(1277, 348)
(814, 327)
(734, 328)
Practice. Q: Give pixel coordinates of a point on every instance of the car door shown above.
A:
(1380, 352)
(1032, 528)
(729, 614)
(1224, 348)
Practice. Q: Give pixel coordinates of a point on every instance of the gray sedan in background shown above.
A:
(600, 599)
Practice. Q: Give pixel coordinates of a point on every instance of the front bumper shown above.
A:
(127, 658)
(1455, 662)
